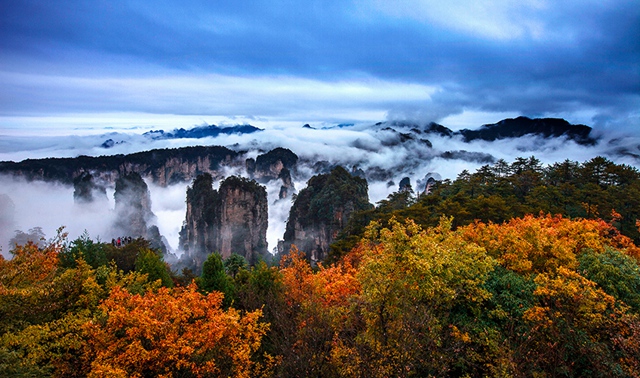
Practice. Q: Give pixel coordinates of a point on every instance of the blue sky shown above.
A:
(73, 66)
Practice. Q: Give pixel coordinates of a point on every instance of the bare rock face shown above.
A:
(243, 219)
(322, 210)
(162, 166)
(7, 222)
(86, 190)
(268, 166)
(197, 235)
(276, 164)
(133, 205)
(230, 220)
(134, 217)
(287, 187)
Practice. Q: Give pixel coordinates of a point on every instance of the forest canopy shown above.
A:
(431, 285)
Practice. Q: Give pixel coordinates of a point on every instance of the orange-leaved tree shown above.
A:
(544, 243)
(318, 305)
(172, 332)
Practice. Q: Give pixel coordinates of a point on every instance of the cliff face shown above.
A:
(197, 234)
(322, 210)
(275, 164)
(230, 220)
(86, 190)
(162, 166)
(243, 219)
(133, 206)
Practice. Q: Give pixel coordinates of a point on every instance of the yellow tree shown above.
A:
(545, 243)
(413, 281)
(575, 328)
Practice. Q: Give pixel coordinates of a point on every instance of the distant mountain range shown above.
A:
(166, 166)
(507, 128)
(194, 133)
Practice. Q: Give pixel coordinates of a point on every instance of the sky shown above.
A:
(82, 67)
(74, 73)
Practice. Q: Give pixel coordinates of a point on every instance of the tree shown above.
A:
(412, 281)
(83, 247)
(177, 332)
(150, 263)
(214, 278)
(572, 328)
(235, 263)
(615, 273)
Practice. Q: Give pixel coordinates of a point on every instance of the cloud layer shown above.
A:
(386, 157)
(321, 61)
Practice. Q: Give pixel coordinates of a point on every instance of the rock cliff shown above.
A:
(322, 210)
(275, 164)
(133, 216)
(243, 219)
(86, 190)
(162, 166)
(230, 220)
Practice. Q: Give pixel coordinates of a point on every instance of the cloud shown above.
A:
(50, 206)
(320, 61)
(380, 153)
(501, 19)
(211, 94)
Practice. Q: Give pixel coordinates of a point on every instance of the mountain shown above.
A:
(230, 220)
(505, 129)
(201, 132)
(163, 166)
(521, 126)
(322, 209)
(338, 169)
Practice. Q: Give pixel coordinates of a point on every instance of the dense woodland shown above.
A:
(515, 270)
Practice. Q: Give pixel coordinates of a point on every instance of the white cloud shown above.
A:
(498, 19)
(209, 94)
(51, 205)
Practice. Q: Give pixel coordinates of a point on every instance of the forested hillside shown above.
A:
(514, 270)
(595, 189)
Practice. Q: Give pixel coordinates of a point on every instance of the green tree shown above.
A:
(615, 273)
(234, 264)
(83, 247)
(150, 263)
(214, 278)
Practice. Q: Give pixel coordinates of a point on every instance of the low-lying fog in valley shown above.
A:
(384, 155)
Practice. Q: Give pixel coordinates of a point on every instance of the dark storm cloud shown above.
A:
(532, 57)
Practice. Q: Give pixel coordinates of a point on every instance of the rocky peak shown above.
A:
(268, 166)
(230, 220)
(133, 205)
(85, 189)
(521, 126)
(322, 210)
(275, 164)
(243, 219)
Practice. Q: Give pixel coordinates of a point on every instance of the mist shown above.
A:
(50, 206)
(385, 156)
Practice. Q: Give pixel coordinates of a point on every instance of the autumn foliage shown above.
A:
(535, 296)
(171, 333)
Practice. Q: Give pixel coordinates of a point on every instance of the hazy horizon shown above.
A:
(122, 64)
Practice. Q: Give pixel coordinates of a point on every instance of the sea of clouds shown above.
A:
(360, 146)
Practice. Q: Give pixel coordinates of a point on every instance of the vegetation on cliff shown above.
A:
(232, 219)
(322, 209)
(595, 189)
